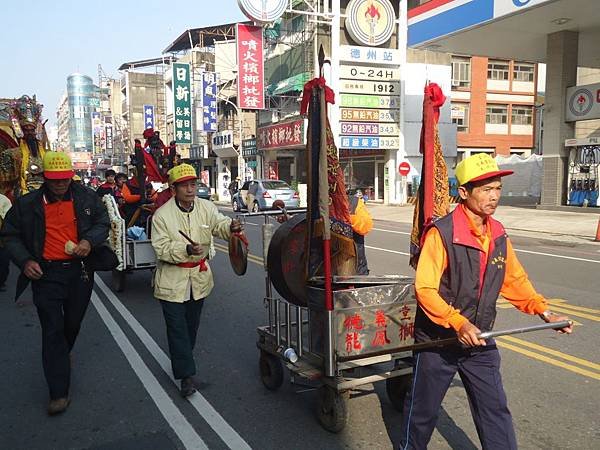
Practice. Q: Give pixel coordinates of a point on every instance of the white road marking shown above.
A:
(229, 436)
(558, 256)
(574, 258)
(177, 421)
(387, 250)
(392, 231)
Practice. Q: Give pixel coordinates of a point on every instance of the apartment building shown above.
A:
(493, 105)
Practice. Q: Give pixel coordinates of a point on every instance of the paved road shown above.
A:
(124, 398)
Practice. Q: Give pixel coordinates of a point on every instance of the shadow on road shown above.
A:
(454, 436)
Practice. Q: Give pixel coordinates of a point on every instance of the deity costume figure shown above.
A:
(22, 153)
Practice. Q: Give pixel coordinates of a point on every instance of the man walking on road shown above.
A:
(47, 233)
(183, 277)
(466, 262)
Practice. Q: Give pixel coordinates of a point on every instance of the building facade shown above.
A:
(82, 101)
(493, 105)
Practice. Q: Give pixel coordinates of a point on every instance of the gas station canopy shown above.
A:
(511, 29)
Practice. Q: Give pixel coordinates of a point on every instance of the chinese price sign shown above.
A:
(148, 116)
(209, 101)
(250, 67)
(183, 103)
(281, 135)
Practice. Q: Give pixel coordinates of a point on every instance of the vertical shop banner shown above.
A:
(182, 101)
(148, 116)
(108, 133)
(209, 101)
(251, 93)
(97, 132)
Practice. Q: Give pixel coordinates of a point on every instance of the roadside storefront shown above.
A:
(283, 148)
(364, 170)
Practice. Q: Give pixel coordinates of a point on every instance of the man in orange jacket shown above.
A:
(466, 262)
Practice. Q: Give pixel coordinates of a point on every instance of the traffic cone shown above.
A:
(598, 231)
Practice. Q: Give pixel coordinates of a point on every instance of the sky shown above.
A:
(42, 42)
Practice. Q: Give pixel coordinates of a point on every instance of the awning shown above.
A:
(292, 84)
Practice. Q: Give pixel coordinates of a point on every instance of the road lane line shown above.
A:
(575, 313)
(556, 353)
(546, 359)
(564, 304)
(387, 250)
(392, 231)
(227, 434)
(176, 420)
(251, 257)
(558, 256)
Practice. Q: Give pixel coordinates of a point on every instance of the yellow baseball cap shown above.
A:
(478, 167)
(57, 166)
(182, 172)
(76, 178)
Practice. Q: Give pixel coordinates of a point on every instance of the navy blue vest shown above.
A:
(460, 284)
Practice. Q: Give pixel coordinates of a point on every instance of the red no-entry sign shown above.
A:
(404, 168)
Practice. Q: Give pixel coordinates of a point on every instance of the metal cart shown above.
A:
(132, 254)
(366, 338)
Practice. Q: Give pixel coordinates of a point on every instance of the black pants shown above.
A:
(480, 374)
(4, 265)
(182, 320)
(61, 298)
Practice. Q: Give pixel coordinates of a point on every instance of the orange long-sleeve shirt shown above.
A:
(433, 261)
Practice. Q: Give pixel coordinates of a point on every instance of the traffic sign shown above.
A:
(404, 168)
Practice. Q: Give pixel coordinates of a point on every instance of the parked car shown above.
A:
(262, 193)
(203, 191)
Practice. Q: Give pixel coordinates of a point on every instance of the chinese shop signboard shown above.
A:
(250, 67)
(148, 116)
(208, 97)
(182, 103)
(282, 135)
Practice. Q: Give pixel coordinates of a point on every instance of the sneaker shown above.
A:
(187, 387)
(58, 405)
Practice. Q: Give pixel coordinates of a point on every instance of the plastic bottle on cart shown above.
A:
(290, 355)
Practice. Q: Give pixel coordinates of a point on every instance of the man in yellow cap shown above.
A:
(183, 277)
(48, 233)
(466, 262)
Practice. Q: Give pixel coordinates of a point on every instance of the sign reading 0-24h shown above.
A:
(182, 101)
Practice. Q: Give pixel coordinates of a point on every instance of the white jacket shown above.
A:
(201, 224)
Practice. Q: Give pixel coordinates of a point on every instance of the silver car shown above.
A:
(257, 195)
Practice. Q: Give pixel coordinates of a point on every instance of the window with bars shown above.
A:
(498, 70)
(522, 115)
(523, 72)
(460, 116)
(496, 114)
(461, 72)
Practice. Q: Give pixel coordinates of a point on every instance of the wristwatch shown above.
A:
(545, 316)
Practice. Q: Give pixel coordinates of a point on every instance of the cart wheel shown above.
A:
(118, 280)
(332, 409)
(271, 371)
(397, 388)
